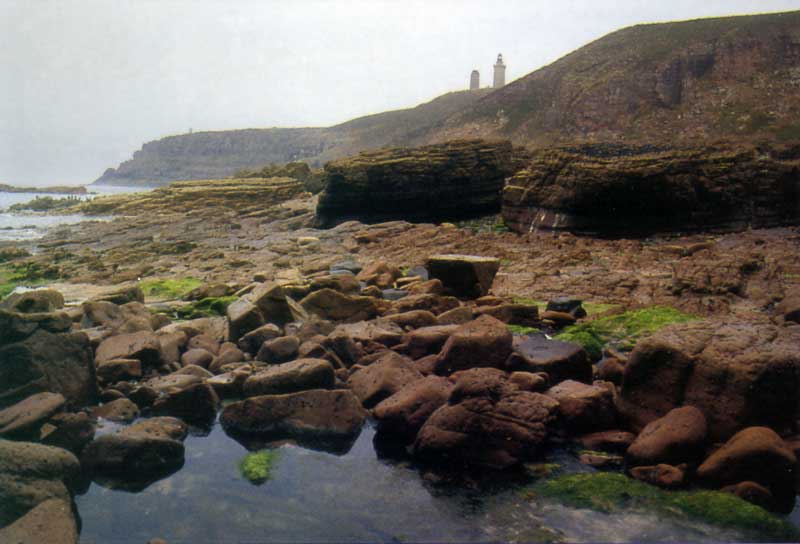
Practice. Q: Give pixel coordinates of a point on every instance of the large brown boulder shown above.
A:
(196, 403)
(130, 317)
(487, 422)
(16, 326)
(58, 363)
(142, 345)
(738, 374)
(484, 342)
(678, 437)
(299, 375)
(152, 446)
(755, 454)
(427, 340)
(560, 360)
(32, 302)
(31, 474)
(459, 178)
(383, 378)
(585, 407)
(464, 276)
(51, 521)
(336, 306)
(315, 413)
(404, 413)
(267, 303)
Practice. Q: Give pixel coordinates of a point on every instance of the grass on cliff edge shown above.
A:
(257, 467)
(172, 289)
(607, 492)
(623, 329)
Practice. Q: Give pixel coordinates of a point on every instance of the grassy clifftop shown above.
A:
(727, 78)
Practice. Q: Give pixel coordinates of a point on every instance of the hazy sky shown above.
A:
(84, 83)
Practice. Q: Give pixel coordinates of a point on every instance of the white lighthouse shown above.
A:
(499, 72)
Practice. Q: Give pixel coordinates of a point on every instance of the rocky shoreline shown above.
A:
(672, 358)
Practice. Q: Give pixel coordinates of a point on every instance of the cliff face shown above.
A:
(639, 191)
(212, 155)
(209, 155)
(457, 179)
(734, 79)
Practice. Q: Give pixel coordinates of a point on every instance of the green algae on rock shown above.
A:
(608, 492)
(623, 329)
(257, 467)
(169, 289)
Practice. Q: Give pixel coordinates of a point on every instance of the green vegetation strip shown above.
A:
(623, 329)
(257, 467)
(172, 289)
(207, 307)
(25, 274)
(608, 492)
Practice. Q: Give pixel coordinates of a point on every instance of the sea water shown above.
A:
(355, 496)
(27, 226)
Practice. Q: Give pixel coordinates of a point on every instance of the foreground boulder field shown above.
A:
(455, 376)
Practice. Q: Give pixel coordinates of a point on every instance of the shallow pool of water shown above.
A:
(316, 496)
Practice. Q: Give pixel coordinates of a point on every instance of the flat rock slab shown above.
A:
(29, 413)
(317, 412)
(299, 375)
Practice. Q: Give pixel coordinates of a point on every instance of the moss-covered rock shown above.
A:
(623, 329)
(207, 307)
(608, 492)
(169, 289)
(257, 467)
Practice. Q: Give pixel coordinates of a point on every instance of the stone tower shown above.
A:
(474, 80)
(499, 72)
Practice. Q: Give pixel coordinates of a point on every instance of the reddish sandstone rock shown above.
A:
(756, 454)
(298, 375)
(426, 340)
(487, 422)
(560, 360)
(404, 413)
(278, 350)
(738, 374)
(336, 306)
(118, 410)
(141, 345)
(383, 378)
(484, 342)
(435, 304)
(465, 276)
(315, 413)
(678, 437)
(584, 407)
(614, 441)
(661, 475)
